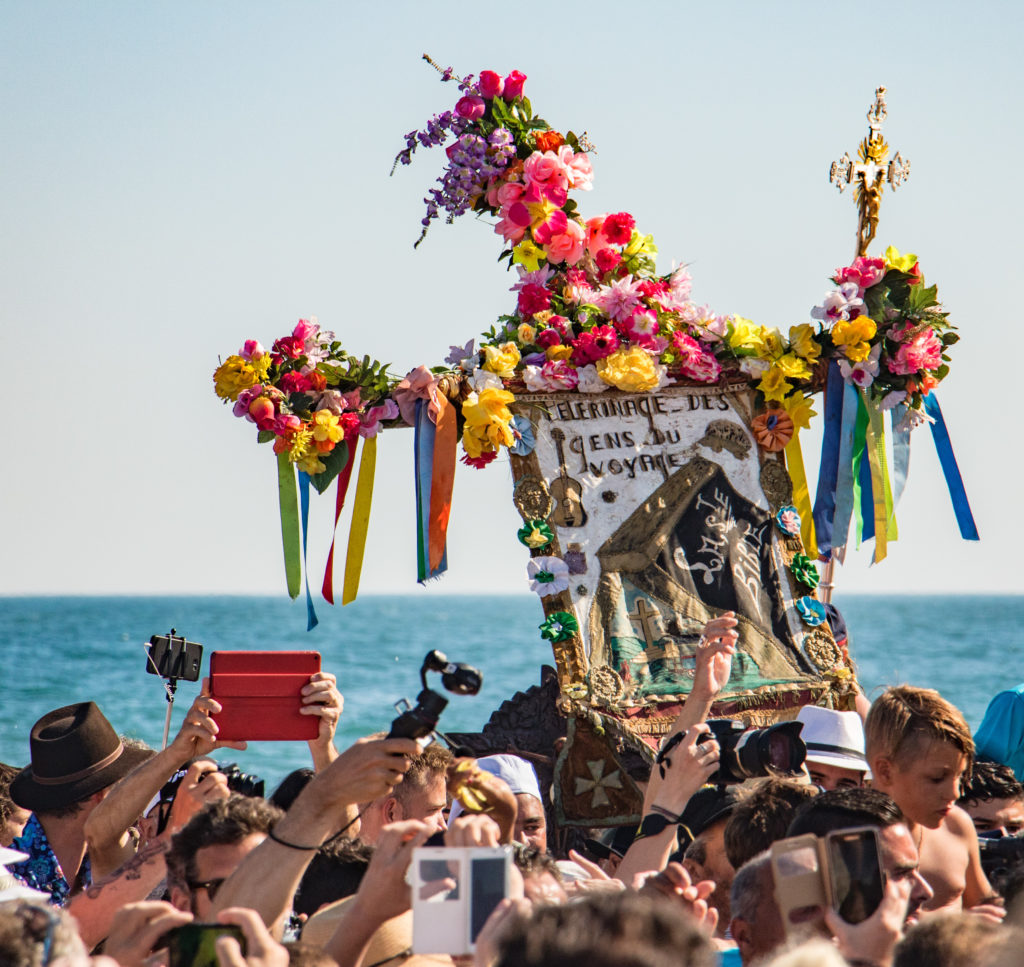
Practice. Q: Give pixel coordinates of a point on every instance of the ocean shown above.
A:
(58, 650)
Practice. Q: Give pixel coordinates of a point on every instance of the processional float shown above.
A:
(654, 446)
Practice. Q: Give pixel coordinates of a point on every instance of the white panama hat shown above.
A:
(833, 738)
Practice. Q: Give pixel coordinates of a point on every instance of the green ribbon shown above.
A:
(558, 626)
(288, 500)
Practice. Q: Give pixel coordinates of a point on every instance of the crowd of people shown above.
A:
(109, 849)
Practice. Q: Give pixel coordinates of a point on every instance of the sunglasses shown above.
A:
(211, 886)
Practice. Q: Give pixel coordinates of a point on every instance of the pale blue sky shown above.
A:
(178, 177)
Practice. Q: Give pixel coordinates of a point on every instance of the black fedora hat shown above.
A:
(75, 753)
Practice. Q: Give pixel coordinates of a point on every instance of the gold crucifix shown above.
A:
(870, 174)
(645, 617)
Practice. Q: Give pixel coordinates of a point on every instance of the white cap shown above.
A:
(833, 738)
(516, 773)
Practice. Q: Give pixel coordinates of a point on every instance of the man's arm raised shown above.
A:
(267, 878)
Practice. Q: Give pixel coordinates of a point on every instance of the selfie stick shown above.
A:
(170, 687)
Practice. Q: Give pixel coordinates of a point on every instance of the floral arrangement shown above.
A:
(592, 313)
(307, 396)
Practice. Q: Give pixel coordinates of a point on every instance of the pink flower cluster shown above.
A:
(864, 273)
(922, 351)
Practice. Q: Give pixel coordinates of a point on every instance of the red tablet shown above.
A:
(260, 692)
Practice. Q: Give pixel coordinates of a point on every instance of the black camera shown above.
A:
(776, 750)
(1000, 856)
(242, 782)
(419, 721)
(172, 656)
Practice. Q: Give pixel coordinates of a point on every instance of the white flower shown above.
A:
(536, 381)
(842, 303)
(862, 374)
(590, 380)
(548, 575)
(484, 379)
(892, 399)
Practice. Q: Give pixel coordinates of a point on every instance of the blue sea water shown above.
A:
(57, 650)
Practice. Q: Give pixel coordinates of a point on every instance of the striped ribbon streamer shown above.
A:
(423, 458)
(360, 521)
(327, 589)
(311, 618)
(950, 470)
(863, 512)
(288, 503)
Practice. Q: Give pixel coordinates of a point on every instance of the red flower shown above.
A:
(607, 259)
(290, 346)
(548, 140)
(317, 381)
(294, 382)
(491, 84)
(653, 290)
(533, 298)
(349, 422)
(618, 228)
(481, 461)
(514, 85)
(548, 338)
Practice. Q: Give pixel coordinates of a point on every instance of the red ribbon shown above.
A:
(343, 478)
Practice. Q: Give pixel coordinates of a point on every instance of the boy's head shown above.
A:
(994, 800)
(919, 748)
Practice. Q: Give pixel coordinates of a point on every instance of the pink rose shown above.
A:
(567, 246)
(578, 168)
(507, 193)
(864, 272)
(596, 239)
(924, 351)
(470, 107)
(513, 85)
(491, 84)
(251, 349)
(305, 330)
(544, 170)
(510, 231)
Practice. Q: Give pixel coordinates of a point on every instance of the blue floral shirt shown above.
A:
(41, 871)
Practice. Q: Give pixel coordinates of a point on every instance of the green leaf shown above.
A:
(950, 338)
(334, 462)
(300, 401)
(264, 436)
(942, 372)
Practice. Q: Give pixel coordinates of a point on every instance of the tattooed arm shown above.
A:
(94, 909)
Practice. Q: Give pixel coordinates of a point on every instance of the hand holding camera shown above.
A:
(685, 764)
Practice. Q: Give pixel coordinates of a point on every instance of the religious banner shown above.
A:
(662, 512)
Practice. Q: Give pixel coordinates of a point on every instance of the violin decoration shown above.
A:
(566, 491)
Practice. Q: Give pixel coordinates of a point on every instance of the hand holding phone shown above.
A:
(195, 944)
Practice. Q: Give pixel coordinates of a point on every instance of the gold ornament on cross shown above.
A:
(870, 174)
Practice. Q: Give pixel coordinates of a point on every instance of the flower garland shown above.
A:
(592, 313)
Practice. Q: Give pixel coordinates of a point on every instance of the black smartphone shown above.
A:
(855, 873)
(172, 656)
(488, 887)
(195, 944)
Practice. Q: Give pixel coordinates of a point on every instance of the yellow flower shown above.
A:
(853, 337)
(744, 333)
(326, 427)
(803, 343)
(301, 445)
(528, 255)
(793, 367)
(487, 419)
(640, 245)
(233, 376)
(260, 366)
(501, 360)
(540, 212)
(768, 343)
(773, 384)
(800, 409)
(542, 316)
(526, 333)
(311, 463)
(558, 352)
(631, 370)
(902, 263)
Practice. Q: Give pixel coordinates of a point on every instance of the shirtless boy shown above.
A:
(919, 747)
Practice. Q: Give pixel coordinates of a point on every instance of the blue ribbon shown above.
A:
(844, 483)
(828, 466)
(900, 452)
(311, 618)
(423, 455)
(954, 482)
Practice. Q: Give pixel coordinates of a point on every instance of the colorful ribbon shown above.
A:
(828, 465)
(423, 459)
(288, 503)
(844, 500)
(884, 524)
(801, 495)
(900, 452)
(442, 481)
(360, 521)
(311, 619)
(327, 589)
(950, 470)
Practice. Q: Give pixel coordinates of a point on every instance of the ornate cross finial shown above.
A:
(870, 174)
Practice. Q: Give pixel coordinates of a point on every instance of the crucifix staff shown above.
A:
(869, 177)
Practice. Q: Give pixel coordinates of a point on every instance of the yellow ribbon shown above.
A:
(801, 495)
(881, 494)
(360, 522)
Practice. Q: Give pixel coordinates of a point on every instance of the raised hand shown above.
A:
(675, 883)
(261, 949)
(686, 768)
(714, 656)
(321, 697)
(198, 733)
